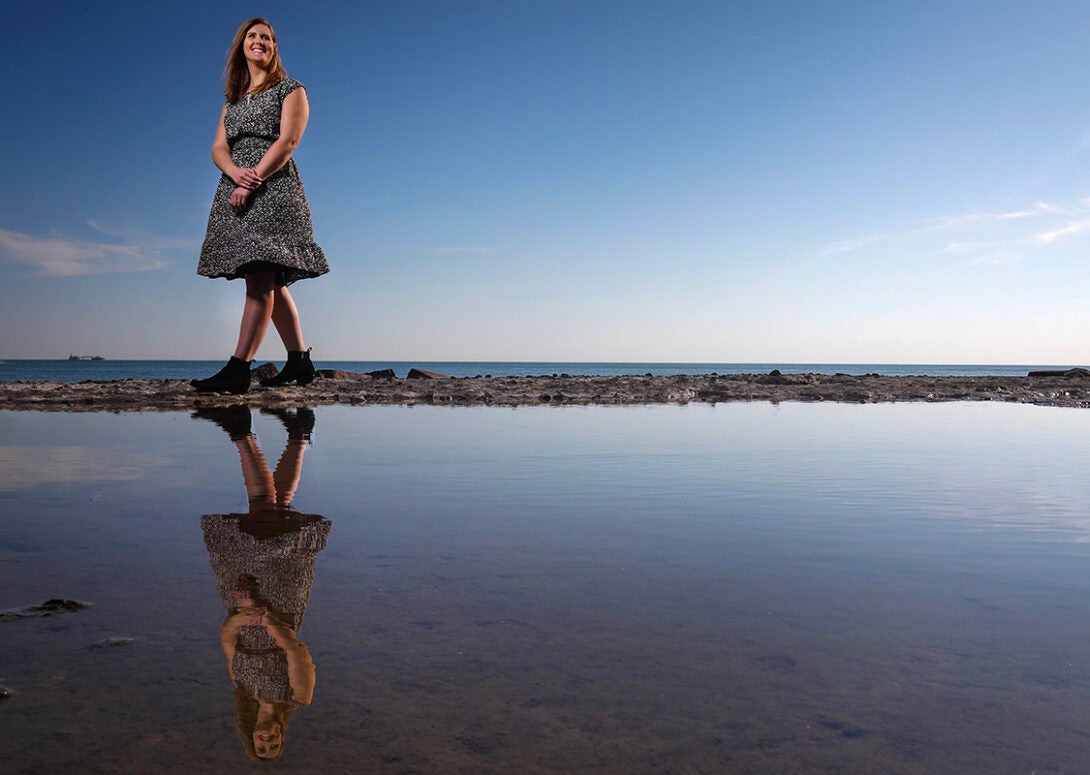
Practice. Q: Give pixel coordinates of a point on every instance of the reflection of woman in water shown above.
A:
(264, 562)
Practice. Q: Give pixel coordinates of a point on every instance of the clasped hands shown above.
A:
(256, 615)
(247, 181)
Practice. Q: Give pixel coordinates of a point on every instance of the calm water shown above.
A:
(12, 370)
(731, 588)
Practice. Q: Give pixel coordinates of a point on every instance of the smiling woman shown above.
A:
(260, 227)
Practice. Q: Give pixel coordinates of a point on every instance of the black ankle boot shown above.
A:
(298, 369)
(232, 378)
(233, 419)
(298, 425)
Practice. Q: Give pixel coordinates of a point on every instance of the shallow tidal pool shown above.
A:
(665, 589)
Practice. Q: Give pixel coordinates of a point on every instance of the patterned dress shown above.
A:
(278, 571)
(274, 230)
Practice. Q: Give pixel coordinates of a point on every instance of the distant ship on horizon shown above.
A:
(86, 358)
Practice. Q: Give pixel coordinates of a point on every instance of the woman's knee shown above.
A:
(260, 284)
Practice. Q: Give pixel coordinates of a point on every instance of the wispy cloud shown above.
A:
(1074, 227)
(23, 466)
(847, 246)
(131, 251)
(977, 237)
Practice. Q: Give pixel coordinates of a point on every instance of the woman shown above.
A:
(260, 228)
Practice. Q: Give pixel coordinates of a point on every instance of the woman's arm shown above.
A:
(221, 157)
(293, 122)
(301, 672)
(228, 640)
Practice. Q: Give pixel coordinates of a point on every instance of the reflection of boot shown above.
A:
(233, 419)
(298, 369)
(232, 378)
(299, 425)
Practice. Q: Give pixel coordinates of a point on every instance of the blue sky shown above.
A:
(595, 180)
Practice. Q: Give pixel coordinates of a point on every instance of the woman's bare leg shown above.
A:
(260, 485)
(260, 302)
(285, 317)
(288, 470)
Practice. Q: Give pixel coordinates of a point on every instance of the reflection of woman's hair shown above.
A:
(237, 73)
(246, 706)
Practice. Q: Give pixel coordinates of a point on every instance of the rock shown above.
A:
(355, 389)
(1076, 372)
(421, 374)
(109, 643)
(264, 371)
(776, 378)
(382, 374)
(5, 692)
(340, 374)
(48, 608)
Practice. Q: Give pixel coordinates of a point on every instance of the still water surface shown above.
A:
(731, 588)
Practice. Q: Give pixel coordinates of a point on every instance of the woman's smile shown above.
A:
(259, 43)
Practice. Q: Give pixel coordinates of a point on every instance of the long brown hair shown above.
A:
(237, 74)
(246, 707)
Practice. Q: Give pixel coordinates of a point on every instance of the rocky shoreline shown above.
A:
(1067, 388)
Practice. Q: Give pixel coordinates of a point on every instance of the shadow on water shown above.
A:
(264, 562)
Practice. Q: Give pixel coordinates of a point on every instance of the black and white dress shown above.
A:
(275, 230)
(276, 572)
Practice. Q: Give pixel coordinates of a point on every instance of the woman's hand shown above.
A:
(239, 197)
(247, 615)
(245, 177)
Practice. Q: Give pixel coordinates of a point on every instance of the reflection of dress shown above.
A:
(279, 572)
(275, 227)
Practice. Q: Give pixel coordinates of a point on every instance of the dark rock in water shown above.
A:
(109, 643)
(843, 728)
(421, 374)
(48, 608)
(774, 373)
(5, 692)
(1076, 372)
(382, 374)
(264, 371)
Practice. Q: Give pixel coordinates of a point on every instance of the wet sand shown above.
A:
(1070, 388)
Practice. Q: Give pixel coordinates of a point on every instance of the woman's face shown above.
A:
(268, 740)
(259, 46)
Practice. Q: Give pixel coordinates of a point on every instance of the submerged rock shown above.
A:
(109, 643)
(50, 607)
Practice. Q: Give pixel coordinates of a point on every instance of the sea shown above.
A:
(13, 370)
